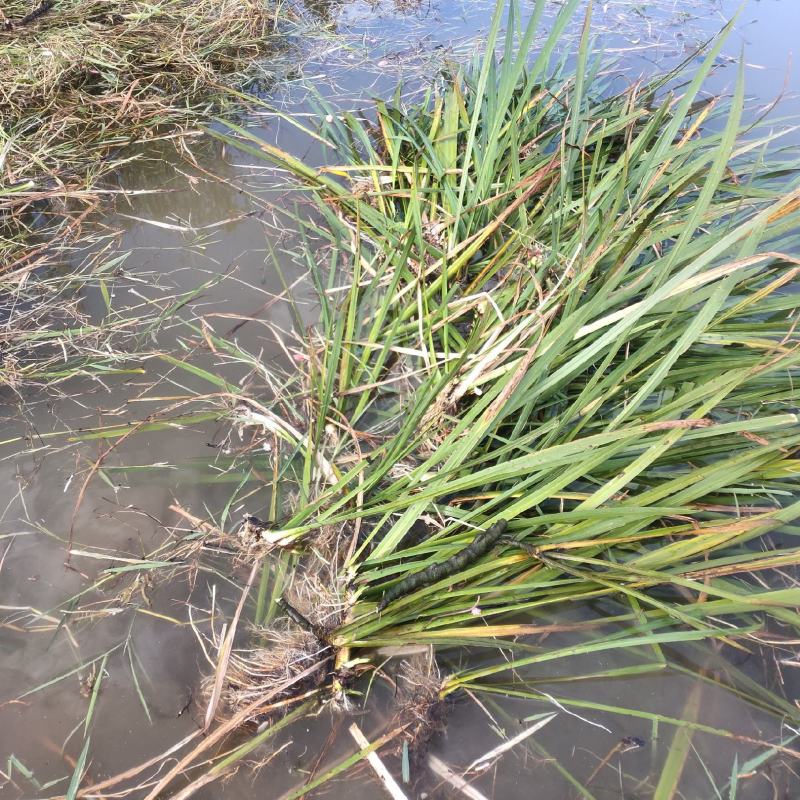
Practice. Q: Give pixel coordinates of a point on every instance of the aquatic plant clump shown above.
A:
(592, 291)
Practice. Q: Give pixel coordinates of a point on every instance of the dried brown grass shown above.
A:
(85, 78)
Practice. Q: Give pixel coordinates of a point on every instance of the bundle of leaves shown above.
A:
(567, 309)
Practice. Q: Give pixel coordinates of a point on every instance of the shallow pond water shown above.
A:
(214, 216)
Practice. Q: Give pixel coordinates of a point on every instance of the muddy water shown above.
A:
(212, 217)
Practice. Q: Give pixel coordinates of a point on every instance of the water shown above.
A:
(220, 222)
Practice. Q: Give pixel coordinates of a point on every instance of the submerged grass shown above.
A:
(81, 81)
(557, 309)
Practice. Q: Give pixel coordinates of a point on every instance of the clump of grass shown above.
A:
(592, 292)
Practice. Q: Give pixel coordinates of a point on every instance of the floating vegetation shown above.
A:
(82, 79)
